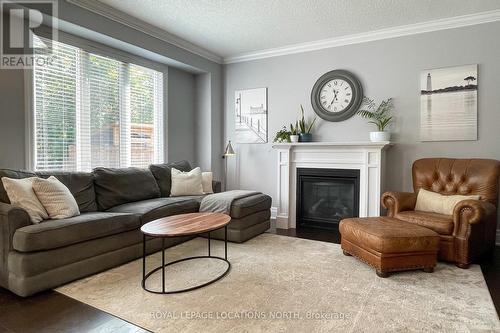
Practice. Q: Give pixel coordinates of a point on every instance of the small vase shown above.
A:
(380, 136)
(306, 137)
(294, 138)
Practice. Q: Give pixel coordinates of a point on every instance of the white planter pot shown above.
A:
(294, 138)
(380, 136)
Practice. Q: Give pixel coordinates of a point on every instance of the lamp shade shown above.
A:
(229, 151)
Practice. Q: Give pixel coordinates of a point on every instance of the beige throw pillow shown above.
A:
(206, 180)
(56, 198)
(186, 183)
(21, 194)
(433, 202)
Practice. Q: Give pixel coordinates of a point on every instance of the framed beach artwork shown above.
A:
(250, 108)
(448, 104)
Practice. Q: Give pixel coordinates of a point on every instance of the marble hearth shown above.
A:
(367, 157)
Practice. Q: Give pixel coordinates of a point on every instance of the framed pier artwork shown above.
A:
(250, 108)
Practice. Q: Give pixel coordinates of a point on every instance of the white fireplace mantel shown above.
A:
(367, 157)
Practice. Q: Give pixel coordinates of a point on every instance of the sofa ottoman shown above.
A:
(250, 216)
(389, 245)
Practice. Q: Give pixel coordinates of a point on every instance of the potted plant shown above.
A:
(379, 115)
(294, 132)
(282, 135)
(305, 128)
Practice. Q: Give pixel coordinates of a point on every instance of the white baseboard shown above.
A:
(274, 212)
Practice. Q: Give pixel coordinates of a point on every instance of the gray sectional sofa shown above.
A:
(114, 203)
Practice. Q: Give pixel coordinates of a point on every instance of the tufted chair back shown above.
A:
(458, 176)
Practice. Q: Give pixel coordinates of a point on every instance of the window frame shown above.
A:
(95, 48)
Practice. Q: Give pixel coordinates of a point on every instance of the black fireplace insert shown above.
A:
(326, 196)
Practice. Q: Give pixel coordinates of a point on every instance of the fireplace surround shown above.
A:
(365, 157)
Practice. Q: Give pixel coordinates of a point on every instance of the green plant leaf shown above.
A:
(366, 114)
(311, 125)
(380, 116)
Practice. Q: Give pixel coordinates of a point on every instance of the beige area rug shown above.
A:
(285, 284)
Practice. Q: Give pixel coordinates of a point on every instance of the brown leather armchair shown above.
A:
(470, 232)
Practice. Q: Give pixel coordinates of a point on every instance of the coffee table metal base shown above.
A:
(145, 275)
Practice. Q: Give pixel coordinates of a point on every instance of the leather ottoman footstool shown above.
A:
(389, 244)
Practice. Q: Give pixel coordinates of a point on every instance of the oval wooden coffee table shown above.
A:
(183, 225)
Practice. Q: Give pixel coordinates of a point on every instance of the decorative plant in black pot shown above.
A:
(305, 128)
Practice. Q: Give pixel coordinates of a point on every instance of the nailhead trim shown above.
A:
(390, 269)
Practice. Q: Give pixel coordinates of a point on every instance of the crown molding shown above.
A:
(399, 31)
(149, 29)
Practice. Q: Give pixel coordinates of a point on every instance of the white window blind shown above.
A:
(91, 110)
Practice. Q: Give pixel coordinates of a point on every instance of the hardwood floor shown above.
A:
(53, 312)
(489, 266)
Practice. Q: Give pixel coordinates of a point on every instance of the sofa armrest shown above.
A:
(11, 219)
(468, 212)
(396, 202)
(216, 186)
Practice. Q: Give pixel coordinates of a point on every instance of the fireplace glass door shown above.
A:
(326, 196)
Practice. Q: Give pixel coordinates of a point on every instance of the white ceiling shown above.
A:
(230, 28)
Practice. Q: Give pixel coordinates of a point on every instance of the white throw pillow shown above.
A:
(433, 202)
(206, 180)
(186, 183)
(56, 198)
(21, 194)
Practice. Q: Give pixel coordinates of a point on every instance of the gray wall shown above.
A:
(386, 68)
(201, 120)
(181, 112)
(12, 123)
(181, 98)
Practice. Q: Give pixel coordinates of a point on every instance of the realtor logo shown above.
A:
(20, 47)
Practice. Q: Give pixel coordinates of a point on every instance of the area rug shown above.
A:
(285, 284)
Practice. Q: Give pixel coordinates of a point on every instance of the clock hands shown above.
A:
(335, 92)
(333, 100)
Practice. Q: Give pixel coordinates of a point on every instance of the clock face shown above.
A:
(335, 95)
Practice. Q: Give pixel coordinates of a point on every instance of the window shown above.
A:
(91, 110)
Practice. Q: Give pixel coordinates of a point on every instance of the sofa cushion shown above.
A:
(442, 224)
(80, 184)
(153, 209)
(207, 182)
(186, 183)
(249, 220)
(14, 174)
(55, 197)
(249, 205)
(52, 234)
(163, 176)
(114, 187)
(24, 264)
(428, 201)
(22, 195)
(388, 235)
(38, 262)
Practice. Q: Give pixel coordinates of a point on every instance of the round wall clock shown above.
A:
(336, 95)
